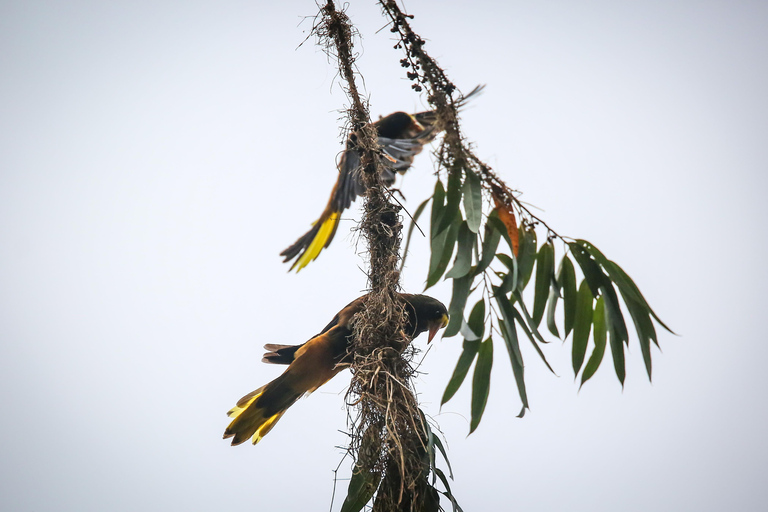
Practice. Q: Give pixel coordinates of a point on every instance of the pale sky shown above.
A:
(157, 156)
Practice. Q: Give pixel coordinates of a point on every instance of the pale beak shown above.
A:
(436, 326)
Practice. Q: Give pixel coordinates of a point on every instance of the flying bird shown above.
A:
(401, 136)
(315, 362)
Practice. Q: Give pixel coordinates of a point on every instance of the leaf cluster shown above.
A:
(584, 296)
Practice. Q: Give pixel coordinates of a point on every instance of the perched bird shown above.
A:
(315, 362)
(401, 137)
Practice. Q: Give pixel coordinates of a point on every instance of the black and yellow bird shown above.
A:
(401, 136)
(315, 362)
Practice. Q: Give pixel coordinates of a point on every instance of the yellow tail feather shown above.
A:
(248, 420)
(327, 229)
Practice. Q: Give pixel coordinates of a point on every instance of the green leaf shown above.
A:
(545, 271)
(448, 494)
(473, 200)
(462, 368)
(508, 280)
(362, 485)
(645, 330)
(430, 441)
(530, 335)
(463, 262)
(438, 205)
(517, 294)
(628, 287)
(481, 382)
(453, 199)
(599, 282)
(415, 218)
(617, 352)
(526, 256)
(490, 243)
(477, 319)
(592, 272)
(442, 250)
(582, 325)
(567, 281)
(598, 335)
(554, 296)
(508, 261)
(638, 309)
(458, 301)
(509, 333)
(440, 447)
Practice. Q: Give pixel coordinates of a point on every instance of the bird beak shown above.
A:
(436, 326)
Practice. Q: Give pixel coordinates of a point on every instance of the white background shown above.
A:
(155, 157)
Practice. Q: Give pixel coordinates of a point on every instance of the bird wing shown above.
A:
(285, 354)
(397, 156)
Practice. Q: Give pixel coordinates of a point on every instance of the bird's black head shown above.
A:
(398, 126)
(425, 314)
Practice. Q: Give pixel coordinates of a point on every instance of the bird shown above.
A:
(312, 364)
(401, 136)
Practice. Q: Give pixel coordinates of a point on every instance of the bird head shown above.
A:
(398, 125)
(425, 314)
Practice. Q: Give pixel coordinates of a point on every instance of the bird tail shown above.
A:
(280, 354)
(257, 412)
(429, 118)
(309, 245)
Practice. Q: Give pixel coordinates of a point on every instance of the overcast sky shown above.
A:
(156, 157)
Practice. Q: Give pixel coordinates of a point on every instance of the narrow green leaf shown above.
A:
(430, 442)
(509, 333)
(582, 325)
(554, 296)
(440, 447)
(453, 199)
(599, 282)
(448, 494)
(462, 368)
(508, 261)
(625, 282)
(362, 485)
(617, 353)
(527, 255)
(442, 250)
(481, 382)
(463, 261)
(477, 319)
(490, 243)
(599, 336)
(518, 296)
(458, 301)
(508, 280)
(530, 335)
(438, 205)
(614, 317)
(645, 330)
(415, 218)
(473, 200)
(545, 271)
(591, 270)
(567, 281)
